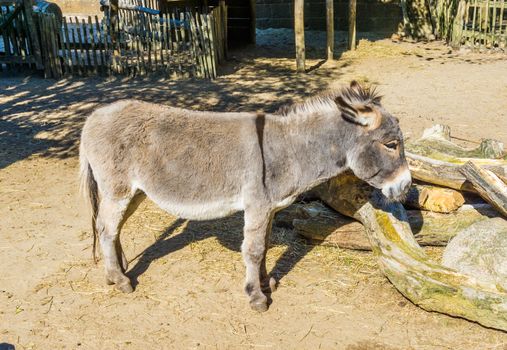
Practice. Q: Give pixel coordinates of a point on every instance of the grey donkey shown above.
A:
(206, 165)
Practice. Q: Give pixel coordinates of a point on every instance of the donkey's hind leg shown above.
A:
(131, 208)
(112, 214)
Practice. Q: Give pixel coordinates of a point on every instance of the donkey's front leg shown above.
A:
(257, 227)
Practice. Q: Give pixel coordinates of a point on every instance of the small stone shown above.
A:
(480, 251)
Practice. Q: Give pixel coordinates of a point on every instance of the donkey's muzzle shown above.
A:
(396, 189)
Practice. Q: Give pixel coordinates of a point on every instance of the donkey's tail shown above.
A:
(88, 187)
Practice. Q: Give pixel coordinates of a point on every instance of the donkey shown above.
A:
(207, 165)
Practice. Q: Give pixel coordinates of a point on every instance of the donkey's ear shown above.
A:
(361, 114)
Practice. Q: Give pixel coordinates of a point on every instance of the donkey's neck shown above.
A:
(303, 146)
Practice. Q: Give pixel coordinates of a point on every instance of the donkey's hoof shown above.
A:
(259, 304)
(125, 287)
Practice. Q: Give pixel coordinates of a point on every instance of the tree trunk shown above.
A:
(424, 282)
(324, 226)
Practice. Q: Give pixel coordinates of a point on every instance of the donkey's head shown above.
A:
(376, 152)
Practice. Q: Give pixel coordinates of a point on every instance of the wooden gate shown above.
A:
(136, 40)
(19, 43)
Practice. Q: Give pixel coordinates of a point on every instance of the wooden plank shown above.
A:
(94, 54)
(67, 55)
(100, 49)
(105, 42)
(253, 18)
(206, 46)
(224, 8)
(474, 17)
(161, 38)
(330, 28)
(185, 47)
(211, 42)
(80, 53)
(61, 47)
(55, 45)
(177, 42)
(352, 24)
(86, 43)
(299, 30)
(503, 36)
(195, 44)
(114, 27)
(34, 38)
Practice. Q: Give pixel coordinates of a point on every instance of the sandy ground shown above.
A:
(189, 275)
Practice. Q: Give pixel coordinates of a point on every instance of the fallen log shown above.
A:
(436, 199)
(488, 185)
(435, 159)
(436, 143)
(448, 174)
(424, 282)
(327, 227)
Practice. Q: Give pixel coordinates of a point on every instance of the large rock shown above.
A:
(480, 251)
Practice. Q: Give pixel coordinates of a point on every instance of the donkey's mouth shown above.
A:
(396, 191)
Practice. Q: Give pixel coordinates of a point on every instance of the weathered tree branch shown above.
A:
(448, 174)
(426, 283)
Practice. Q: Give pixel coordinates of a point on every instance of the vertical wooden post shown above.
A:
(224, 25)
(253, 18)
(32, 31)
(330, 28)
(352, 24)
(114, 27)
(299, 31)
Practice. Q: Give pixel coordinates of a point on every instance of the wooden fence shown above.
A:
(19, 45)
(481, 23)
(185, 42)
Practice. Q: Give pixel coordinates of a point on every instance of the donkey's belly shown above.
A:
(198, 210)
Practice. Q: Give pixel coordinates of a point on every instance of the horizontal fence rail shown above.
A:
(176, 43)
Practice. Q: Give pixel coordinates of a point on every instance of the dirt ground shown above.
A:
(189, 275)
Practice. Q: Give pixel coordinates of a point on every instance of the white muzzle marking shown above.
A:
(399, 186)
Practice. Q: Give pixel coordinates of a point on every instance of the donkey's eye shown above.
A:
(393, 145)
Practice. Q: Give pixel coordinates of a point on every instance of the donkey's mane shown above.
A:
(326, 101)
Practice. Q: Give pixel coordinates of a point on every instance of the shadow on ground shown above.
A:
(231, 238)
(45, 117)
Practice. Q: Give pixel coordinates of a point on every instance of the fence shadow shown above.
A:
(44, 117)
